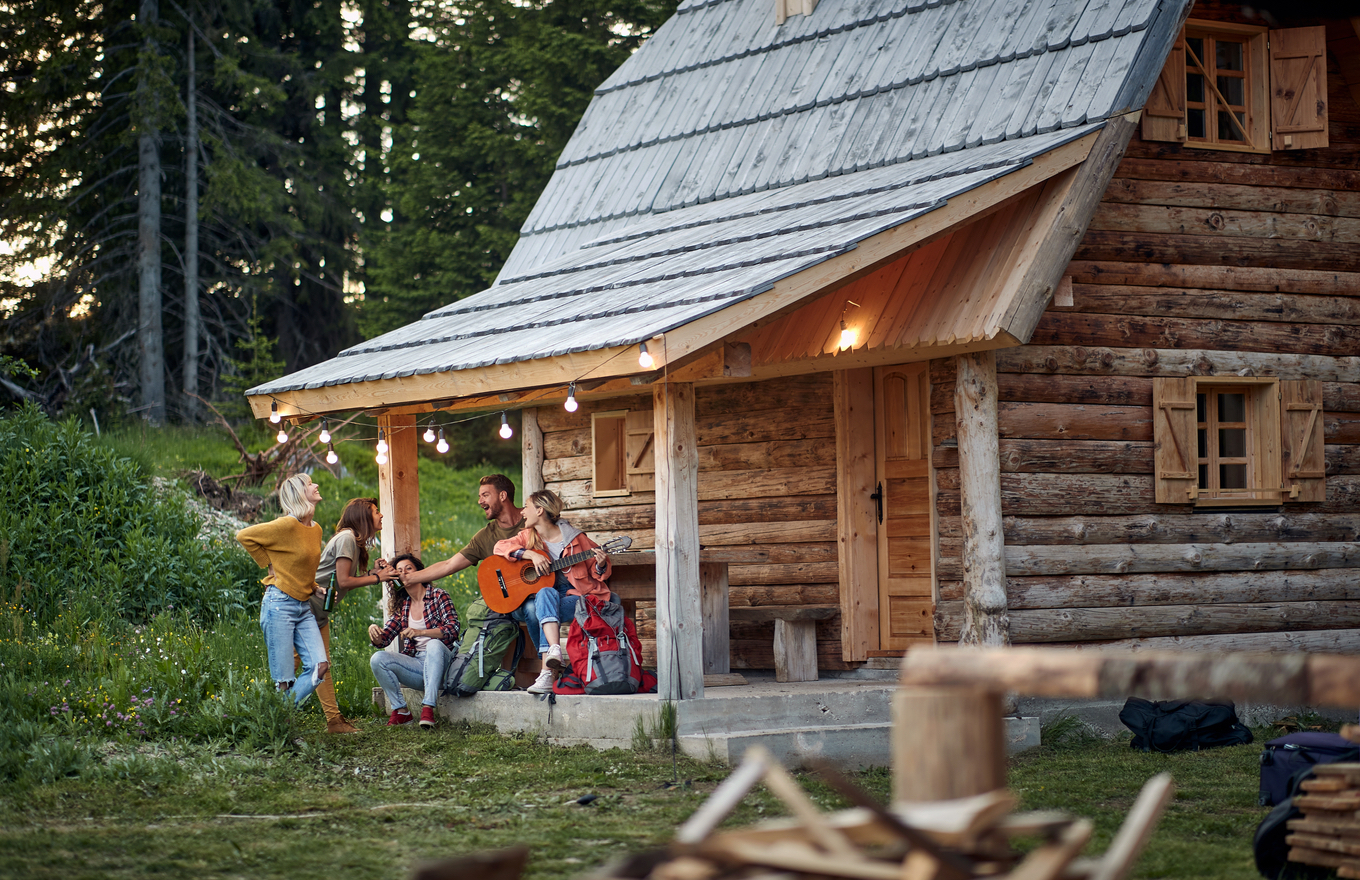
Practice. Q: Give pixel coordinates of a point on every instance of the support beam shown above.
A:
(856, 523)
(531, 435)
(679, 611)
(713, 593)
(984, 563)
(399, 489)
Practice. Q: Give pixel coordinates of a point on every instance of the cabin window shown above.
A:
(623, 458)
(1237, 87)
(1238, 442)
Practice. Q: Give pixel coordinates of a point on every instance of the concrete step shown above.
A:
(845, 745)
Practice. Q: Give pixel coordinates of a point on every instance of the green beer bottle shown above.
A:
(331, 593)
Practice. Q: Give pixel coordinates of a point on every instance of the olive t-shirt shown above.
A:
(482, 543)
(342, 545)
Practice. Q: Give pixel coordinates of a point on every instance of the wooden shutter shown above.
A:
(1173, 430)
(640, 449)
(1164, 113)
(1298, 88)
(1304, 459)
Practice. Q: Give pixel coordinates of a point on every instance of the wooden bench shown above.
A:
(795, 635)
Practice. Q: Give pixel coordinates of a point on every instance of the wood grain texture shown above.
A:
(984, 572)
(1171, 528)
(679, 607)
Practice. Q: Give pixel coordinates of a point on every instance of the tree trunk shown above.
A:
(149, 333)
(191, 315)
(984, 563)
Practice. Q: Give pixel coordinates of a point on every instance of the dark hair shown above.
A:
(501, 483)
(394, 597)
(358, 518)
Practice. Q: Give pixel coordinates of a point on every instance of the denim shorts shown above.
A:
(289, 625)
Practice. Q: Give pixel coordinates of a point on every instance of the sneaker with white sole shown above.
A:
(543, 684)
(554, 660)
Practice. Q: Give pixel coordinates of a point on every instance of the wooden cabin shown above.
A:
(983, 321)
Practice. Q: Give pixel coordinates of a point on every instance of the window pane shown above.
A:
(1196, 45)
(1194, 120)
(1201, 402)
(1204, 476)
(1203, 443)
(1232, 442)
(1194, 88)
(1228, 56)
(1232, 407)
(1226, 130)
(1232, 476)
(1233, 89)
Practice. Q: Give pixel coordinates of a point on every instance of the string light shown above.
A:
(283, 434)
(382, 443)
(645, 358)
(381, 458)
(443, 445)
(331, 457)
(325, 436)
(274, 412)
(848, 336)
(506, 431)
(429, 432)
(571, 405)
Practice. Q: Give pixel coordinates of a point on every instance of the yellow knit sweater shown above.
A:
(292, 548)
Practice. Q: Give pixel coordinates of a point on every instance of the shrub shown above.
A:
(85, 534)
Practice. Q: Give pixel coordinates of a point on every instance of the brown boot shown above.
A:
(340, 725)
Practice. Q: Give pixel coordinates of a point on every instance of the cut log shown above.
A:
(947, 742)
(1336, 641)
(984, 572)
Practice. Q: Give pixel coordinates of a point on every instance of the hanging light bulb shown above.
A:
(381, 458)
(848, 336)
(506, 431)
(274, 412)
(443, 445)
(382, 442)
(429, 432)
(283, 434)
(331, 457)
(645, 359)
(571, 405)
(325, 435)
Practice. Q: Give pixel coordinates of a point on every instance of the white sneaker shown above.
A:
(542, 684)
(554, 659)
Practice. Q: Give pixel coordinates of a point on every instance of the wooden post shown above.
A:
(795, 650)
(947, 742)
(399, 490)
(531, 436)
(856, 522)
(679, 610)
(713, 593)
(984, 566)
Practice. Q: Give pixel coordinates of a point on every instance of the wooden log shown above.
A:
(771, 613)
(785, 594)
(1173, 302)
(1258, 279)
(1100, 624)
(1208, 527)
(947, 742)
(1118, 591)
(759, 654)
(795, 650)
(399, 487)
(1334, 641)
(1056, 421)
(813, 422)
(797, 573)
(1100, 244)
(1128, 331)
(1142, 163)
(1342, 459)
(680, 671)
(1303, 160)
(1150, 220)
(713, 598)
(817, 513)
(531, 448)
(714, 486)
(572, 467)
(984, 571)
(1341, 428)
(1340, 397)
(1037, 560)
(1062, 456)
(770, 454)
(771, 394)
(1124, 361)
(1212, 194)
(554, 419)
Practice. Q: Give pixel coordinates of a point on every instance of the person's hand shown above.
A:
(373, 633)
(408, 577)
(379, 566)
(601, 557)
(318, 591)
(541, 562)
(410, 633)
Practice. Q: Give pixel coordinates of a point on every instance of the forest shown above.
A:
(199, 195)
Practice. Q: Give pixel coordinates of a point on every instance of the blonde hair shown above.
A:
(547, 501)
(293, 497)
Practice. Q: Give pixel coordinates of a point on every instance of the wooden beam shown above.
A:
(399, 491)
(679, 607)
(947, 741)
(984, 562)
(713, 595)
(856, 522)
(531, 438)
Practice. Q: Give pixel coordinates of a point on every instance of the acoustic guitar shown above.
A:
(506, 583)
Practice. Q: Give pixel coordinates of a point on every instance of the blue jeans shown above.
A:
(290, 625)
(425, 672)
(553, 605)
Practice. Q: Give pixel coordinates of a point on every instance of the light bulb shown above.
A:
(381, 458)
(283, 435)
(325, 436)
(382, 442)
(443, 445)
(645, 359)
(429, 432)
(571, 405)
(274, 413)
(848, 336)
(331, 457)
(506, 431)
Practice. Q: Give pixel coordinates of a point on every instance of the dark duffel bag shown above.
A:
(1285, 756)
(1181, 725)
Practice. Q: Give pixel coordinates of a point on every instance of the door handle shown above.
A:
(878, 497)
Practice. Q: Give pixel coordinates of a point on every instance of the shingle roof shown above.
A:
(729, 153)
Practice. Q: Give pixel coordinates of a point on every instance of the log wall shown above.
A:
(1197, 262)
(767, 482)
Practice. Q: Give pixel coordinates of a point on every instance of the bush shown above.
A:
(84, 533)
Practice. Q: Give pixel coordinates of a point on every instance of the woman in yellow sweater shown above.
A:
(290, 547)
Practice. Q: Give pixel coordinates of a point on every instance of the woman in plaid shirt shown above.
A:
(425, 624)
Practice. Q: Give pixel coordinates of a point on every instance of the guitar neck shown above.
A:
(568, 561)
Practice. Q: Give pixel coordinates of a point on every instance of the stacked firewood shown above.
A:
(940, 840)
(1328, 834)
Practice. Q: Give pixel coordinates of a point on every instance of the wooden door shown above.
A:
(902, 461)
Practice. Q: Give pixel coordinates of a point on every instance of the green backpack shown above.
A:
(477, 665)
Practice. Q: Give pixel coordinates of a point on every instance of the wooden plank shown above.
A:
(715, 486)
(785, 594)
(1220, 221)
(1187, 192)
(752, 427)
(1074, 421)
(983, 552)
(1258, 279)
(1100, 244)
(793, 573)
(1174, 302)
(531, 448)
(1333, 641)
(713, 598)
(1125, 361)
(856, 529)
(771, 613)
(1063, 456)
(1058, 328)
(768, 454)
(1136, 830)
(399, 486)
(795, 650)
(770, 395)
(680, 613)
(1137, 558)
(1063, 494)
(1141, 163)
(1172, 528)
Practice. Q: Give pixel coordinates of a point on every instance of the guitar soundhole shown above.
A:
(530, 574)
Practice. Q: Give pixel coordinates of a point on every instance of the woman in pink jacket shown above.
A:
(546, 539)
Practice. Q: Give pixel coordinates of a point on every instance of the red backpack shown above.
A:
(605, 654)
